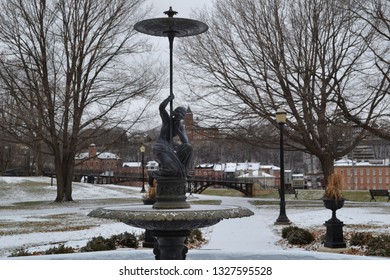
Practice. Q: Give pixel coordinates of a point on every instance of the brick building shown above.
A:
(93, 162)
(363, 175)
(196, 132)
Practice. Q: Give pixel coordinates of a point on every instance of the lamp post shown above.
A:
(142, 150)
(281, 117)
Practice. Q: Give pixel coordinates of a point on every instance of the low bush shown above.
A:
(20, 252)
(297, 236)
(125, 240)
(61, 249)
(286, 231)
(360, 238)
(99, 244)
(379, 246)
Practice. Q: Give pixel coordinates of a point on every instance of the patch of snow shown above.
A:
(251, 237)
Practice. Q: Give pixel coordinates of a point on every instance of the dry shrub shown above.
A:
(333, 188)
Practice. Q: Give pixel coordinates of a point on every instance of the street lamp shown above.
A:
(142, 150)
(281, 117)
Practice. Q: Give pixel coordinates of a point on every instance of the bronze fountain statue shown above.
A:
(171, 218)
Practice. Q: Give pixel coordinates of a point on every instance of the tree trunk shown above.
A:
(60, 184)
(64, 185)
(64, 175)
(327, 164)
(68, 180)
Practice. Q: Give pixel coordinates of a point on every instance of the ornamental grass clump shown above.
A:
(333, 188)
(151, 192)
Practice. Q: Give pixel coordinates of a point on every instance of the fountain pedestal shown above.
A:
(171, 193)
(170, 245)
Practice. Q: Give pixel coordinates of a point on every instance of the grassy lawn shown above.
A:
(309, 194)
(223, 192)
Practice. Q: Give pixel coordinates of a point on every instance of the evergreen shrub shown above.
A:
(379, 246)
(360, 238)
(61, 249)
(99, 244)
(125, 240)
(297, 236)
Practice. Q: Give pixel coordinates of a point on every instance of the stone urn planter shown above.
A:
(334, 227)
(333, 205)
(334, 201)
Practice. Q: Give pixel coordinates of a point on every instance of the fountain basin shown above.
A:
(144, 216)
(170, 227)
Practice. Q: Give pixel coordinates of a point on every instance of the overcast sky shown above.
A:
(183, 7)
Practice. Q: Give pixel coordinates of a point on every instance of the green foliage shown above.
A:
(20, 252)
(99, 244)
(379, 246)
(286, 231)
(297, 236)
(360, 238)
(61, 249)
(126, 240)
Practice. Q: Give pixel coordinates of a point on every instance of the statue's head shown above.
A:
(180, 112)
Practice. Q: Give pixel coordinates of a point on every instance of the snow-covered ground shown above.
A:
(29, 219)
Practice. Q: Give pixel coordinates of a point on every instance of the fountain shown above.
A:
(171, 218)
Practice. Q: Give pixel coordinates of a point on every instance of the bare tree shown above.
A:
(69, 66)
(303, 55)
(376, 14)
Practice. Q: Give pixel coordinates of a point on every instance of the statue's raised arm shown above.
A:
(166, 121)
